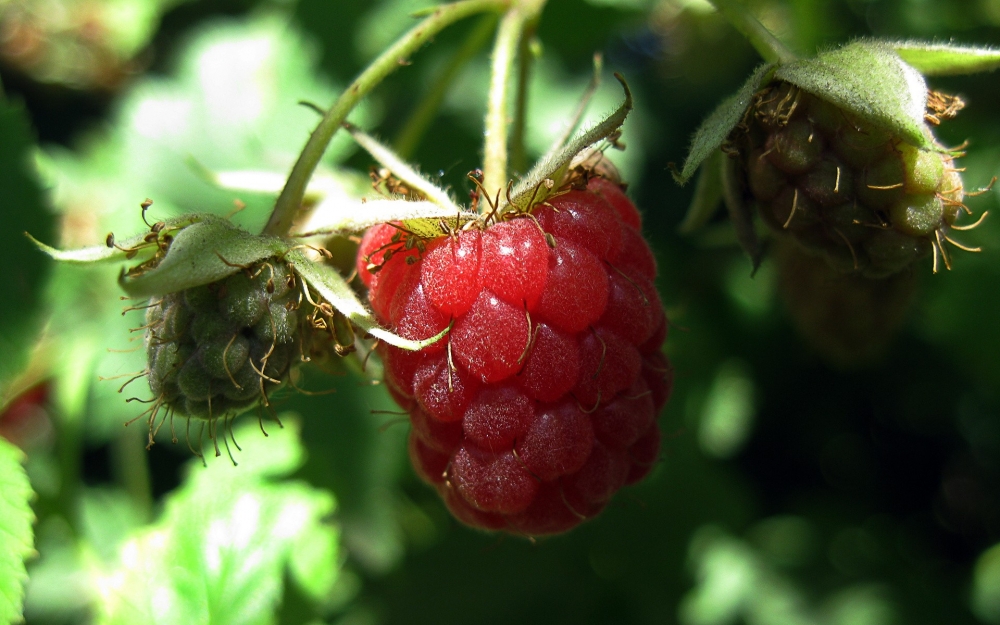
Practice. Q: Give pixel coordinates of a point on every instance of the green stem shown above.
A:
(130, 464)
(290, 200)
(512, 28)
(418, 123)
(518, 150)
(766, 44)
(70, 453)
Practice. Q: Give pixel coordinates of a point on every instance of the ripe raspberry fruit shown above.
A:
(217, 349)
(865, 200)
(541, 400)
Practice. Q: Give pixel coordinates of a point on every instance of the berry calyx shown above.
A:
(541, 401)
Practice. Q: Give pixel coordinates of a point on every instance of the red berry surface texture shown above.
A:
(541, 401)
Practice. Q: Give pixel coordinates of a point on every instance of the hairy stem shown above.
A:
(518, 151)
(290, 200)
(520, 17)
(408, 139)
(766, 44)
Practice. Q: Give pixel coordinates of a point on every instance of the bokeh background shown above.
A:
(793, 489)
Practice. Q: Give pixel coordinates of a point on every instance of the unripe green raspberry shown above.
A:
(842, 188)
(218, 349)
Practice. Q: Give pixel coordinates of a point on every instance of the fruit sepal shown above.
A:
(206, 251)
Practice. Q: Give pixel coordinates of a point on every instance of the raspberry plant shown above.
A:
(557, 289)
(532, 381)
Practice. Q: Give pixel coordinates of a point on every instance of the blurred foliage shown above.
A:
(25, 210)
(220, 550)
(78, 44)
(791, 491)
(15, 526)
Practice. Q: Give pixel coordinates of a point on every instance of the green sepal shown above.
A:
(335, 290)
(942, 59)
(869, 80)
(716, 128)
(553, 166)
(402, 170)
(422, 217)
(115, 253)
(195, 257)
(707, 195)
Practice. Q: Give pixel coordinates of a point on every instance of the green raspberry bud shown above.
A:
(854, 126)
(841, 187)
(217, 349)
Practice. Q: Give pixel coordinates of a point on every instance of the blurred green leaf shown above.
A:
(736, 584)
(16, 534)
(727, 417)
(941, 59)
(220, 550)
(986, 586)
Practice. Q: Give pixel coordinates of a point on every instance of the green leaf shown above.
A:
(942, 59)
(220, 552)
(16, 535)
(196, 257)
(335, 290)
(868, 79)
(714, 131)
(707, 195)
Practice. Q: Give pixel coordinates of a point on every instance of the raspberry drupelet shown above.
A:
(541, 400)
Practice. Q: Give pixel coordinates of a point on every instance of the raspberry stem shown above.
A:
(766, 44)
(515, 22)
(292, 194)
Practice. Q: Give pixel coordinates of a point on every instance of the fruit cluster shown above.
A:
(844, 189)
(217, 349)
(541, 400)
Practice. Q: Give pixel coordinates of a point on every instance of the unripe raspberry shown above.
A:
(541, 400)
(217, 349)
(842, 188)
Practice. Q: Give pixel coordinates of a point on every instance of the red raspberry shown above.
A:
(541, 401)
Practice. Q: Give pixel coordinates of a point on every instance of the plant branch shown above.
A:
(291, 196)
(766, 44)
(512, 28)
